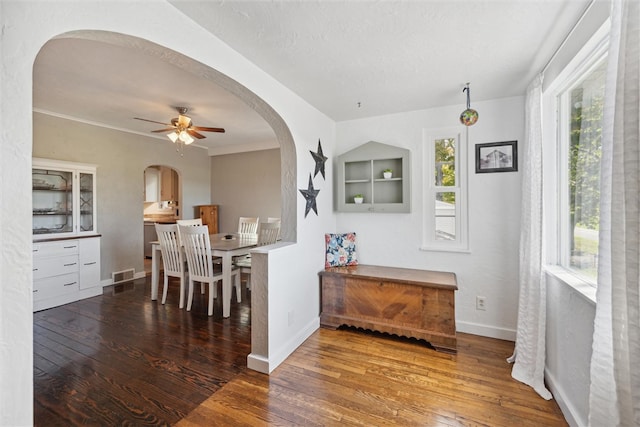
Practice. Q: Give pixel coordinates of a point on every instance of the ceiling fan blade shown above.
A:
(206, 129)
(163, 130)
(195, 134)
(152, 121)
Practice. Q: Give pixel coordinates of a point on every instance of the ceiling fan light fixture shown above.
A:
(182, 131)
(173, 136)
(186, 138)
(184, 121)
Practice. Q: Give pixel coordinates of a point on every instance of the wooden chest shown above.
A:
(400, 301)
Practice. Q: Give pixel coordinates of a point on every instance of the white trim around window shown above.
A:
(445, 224)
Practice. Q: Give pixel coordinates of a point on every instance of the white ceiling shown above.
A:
(349, 59)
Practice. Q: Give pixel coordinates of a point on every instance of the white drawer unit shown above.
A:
(65, 270)
(52, 287)
(55, 248)
(54, 266)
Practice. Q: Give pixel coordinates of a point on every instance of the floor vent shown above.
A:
(122, 276)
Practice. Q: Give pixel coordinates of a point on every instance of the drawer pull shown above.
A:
(35, 290)
(69, 265)
(70, 284)
(70, 247)
(89, 263)
(35, 269)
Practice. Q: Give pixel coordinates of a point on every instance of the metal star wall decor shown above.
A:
(320, 160)
(310, 195)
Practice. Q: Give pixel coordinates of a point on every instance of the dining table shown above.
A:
(223, 245)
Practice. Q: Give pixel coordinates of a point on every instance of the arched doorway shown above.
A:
(280, 129)
(189, 65)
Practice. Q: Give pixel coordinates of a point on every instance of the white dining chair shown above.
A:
(248, 225)
(191, 223)
(172, 258)
(267, 234)
(278, 220)
(195, 221)
(188, 222)
(197, 247)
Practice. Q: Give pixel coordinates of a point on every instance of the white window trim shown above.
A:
(556, 196)
(461, 242)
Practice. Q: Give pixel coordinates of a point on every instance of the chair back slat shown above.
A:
(248, 225)
(197, 247)
(278, 220)
(172, 257)
(268, 233)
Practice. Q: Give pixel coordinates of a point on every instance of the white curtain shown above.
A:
(529, 354)
(614, 398)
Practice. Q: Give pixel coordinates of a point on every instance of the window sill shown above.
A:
(445, 249)
(582, 287)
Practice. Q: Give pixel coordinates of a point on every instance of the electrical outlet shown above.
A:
(481, 303)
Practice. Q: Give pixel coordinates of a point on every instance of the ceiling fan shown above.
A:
(182, 129)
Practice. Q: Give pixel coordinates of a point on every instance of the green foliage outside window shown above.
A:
(585, 155)
(445, 173)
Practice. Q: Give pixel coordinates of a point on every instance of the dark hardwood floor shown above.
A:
(122, 359)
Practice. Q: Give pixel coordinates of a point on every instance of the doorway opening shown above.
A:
(161, 204)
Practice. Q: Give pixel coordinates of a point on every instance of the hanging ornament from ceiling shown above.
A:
(468, 117)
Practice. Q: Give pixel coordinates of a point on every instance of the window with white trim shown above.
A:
(579, 101)
(445, 184)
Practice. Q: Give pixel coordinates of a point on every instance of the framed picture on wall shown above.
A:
(497, 157)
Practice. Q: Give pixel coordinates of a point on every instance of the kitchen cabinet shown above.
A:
(64, 198)
(161, 184)
(65, 270)
(361, 172)
(168, 184)
(209, 216)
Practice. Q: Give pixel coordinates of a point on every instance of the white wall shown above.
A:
(27, 26)
(121, 159)
(570, 316)
(490, 269)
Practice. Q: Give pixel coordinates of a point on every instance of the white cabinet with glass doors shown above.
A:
(64, 199)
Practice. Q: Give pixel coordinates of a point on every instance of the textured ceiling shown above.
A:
(392, 56)
(349, 59)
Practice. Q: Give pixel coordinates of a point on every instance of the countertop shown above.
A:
(160, 219)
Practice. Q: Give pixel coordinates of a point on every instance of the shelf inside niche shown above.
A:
(360, 171)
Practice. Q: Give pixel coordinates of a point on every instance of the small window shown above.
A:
(445, 208)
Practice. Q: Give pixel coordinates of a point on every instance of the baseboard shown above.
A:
(486, 330)
(568, 410)
(267, 365)
(258, 363)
